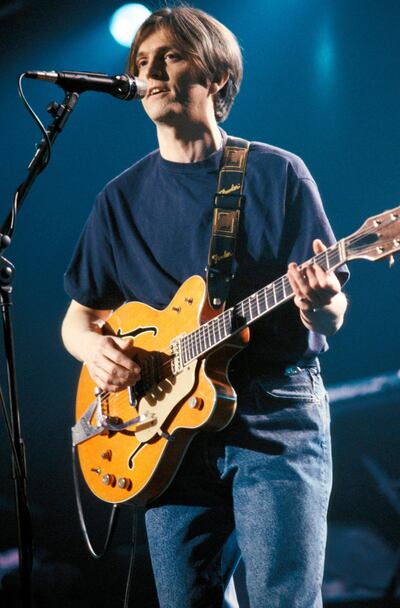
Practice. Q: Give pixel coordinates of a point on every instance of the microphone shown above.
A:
(122, 86)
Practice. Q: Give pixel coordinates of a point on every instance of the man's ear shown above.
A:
(218, 84)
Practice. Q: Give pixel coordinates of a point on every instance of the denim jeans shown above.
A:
(265, 480)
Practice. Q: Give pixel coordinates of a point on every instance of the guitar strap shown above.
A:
(228, 203)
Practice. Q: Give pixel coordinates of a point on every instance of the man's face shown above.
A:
(176, 94)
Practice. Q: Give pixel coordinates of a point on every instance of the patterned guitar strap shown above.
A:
(228, 203)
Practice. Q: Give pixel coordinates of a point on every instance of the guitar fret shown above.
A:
(220, 334)
(280, 290)
(194, 349)
(274, 292)
(219, 330)
(248, 311)
(263, 301)
(196, 343)
(270, 297)
(245, 310)
(202, 344)
(230, 321)
(187, 340)
(288, 287)
(251, 307)
(203, 339)
(213, 332)
(206, 337)
(227, 323)
(210, 335)
(336, 257)
(283, 288)
(185, 350)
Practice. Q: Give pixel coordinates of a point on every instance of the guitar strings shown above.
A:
(279, 287)
(193, 339)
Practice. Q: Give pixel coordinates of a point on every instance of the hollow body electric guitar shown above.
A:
(131, 443)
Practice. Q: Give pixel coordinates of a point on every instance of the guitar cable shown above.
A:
(132, 556)
(112, 522)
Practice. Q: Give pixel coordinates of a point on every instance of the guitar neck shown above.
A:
(219, 329)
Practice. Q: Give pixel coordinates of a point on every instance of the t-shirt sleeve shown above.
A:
(305, 221)
(91, 277)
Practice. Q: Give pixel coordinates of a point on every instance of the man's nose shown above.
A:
(155, 69)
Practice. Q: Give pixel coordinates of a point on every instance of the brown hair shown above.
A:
(213, 49)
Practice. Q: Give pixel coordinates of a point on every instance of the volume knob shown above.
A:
(108, 479)
(124, 483)
(196, 403)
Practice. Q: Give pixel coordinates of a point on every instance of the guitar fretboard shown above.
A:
(220, 328)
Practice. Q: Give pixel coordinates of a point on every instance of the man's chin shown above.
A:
(166, 117)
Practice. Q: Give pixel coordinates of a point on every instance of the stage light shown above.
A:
(126, 21)
(325, 55)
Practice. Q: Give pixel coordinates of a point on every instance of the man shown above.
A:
(267, 476)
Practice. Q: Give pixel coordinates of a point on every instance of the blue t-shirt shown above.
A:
(150, 229)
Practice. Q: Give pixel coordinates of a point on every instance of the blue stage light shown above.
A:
(126, 21)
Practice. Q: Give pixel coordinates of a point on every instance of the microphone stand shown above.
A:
(61, 113)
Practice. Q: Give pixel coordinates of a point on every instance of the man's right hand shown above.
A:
(110, 361)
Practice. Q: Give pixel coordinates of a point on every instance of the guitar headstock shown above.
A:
(378, 237)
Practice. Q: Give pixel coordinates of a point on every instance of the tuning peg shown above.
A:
(391, 261)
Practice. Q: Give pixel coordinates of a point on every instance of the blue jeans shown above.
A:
(266, 478)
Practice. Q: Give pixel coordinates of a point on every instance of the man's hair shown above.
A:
(208, 44)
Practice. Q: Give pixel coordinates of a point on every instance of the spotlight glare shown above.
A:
(126, 21)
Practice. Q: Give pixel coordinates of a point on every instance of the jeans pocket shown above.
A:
(300, 387)
(290, 403)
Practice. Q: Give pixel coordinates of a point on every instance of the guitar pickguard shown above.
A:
(163, 399)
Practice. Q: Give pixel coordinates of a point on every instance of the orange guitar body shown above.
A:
(138, 463)
(131, 443)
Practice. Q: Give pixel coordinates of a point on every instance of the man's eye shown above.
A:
(172, 56)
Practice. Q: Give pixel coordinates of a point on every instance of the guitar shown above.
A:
(130, 443)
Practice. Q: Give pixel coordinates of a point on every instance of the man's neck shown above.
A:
(188, 144)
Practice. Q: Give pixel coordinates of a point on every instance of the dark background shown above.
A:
(322, 79)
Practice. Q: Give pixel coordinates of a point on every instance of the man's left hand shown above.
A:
(318, 295)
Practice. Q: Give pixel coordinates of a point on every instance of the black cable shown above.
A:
(129, 579)
(391, 591)
(111, 522)
(46, 139)
(36, 119)
(10, 436)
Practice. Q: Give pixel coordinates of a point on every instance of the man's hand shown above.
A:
(110, 361)
(318, 295)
